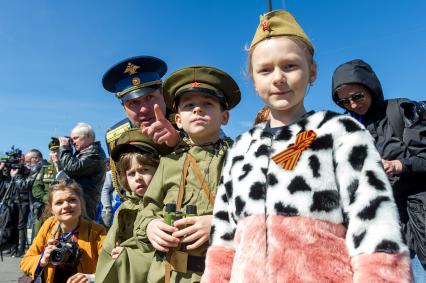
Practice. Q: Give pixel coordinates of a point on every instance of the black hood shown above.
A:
(358, 72)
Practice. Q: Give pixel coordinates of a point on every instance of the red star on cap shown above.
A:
(196, 84)
(265, 26)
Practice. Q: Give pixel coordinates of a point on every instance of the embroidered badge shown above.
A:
(131, 69)
(265, 26)
(196, 84)
(136, 81)
(287, 159)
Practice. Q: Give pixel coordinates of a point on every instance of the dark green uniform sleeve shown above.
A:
(38, 189)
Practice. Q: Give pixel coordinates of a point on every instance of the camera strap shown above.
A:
(67, 235)
(39, 270)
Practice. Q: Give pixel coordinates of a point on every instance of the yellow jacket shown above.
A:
(90, 237)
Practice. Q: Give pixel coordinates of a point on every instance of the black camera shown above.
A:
(13, 160)
(67, 254)
(13, 156)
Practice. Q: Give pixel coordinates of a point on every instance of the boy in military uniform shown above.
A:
(42, 182)
(123, 259)
(187, 178)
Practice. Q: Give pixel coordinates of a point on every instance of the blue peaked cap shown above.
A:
(134, 77)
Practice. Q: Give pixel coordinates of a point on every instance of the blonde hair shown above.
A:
(307, 48)
(67, 185)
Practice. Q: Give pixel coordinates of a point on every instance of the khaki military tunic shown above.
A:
(42, 182)
(132, 265)
(164, 188)
(40, 188)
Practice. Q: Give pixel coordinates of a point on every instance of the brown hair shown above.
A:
(307, 48)
(67, 185)
(125, 161)
(262, 115)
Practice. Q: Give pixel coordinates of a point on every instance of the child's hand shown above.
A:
(158, 234)
(47, 251)
(197, 233)
(81, 278)
(116, 252)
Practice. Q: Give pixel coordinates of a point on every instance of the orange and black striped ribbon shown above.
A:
(287, 159)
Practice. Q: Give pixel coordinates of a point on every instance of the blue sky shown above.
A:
(53, 53)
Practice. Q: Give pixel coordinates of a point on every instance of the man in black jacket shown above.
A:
(86, 165)
(356, 88)
(19, 186)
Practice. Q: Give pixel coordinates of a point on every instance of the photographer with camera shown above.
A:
(86, 165)
(67, 246)
(19, 186)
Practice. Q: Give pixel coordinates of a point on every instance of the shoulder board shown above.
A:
(115, 132)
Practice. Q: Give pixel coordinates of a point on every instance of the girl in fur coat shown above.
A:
(303, 196)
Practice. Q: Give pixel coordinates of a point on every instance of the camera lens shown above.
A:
(57, 256)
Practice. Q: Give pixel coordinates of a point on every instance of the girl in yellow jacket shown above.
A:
(67, 246)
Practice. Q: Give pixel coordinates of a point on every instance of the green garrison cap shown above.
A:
(278, 23)
(202, 79)
(134, 139)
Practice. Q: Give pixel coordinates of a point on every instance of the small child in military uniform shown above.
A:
(188, 177)
(122, 259)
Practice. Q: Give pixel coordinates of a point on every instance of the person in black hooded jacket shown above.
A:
(356, 88)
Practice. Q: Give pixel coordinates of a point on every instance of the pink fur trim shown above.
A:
(218, 265)
(250, 255)
(307, 250)
(382, 267)
(300, 249)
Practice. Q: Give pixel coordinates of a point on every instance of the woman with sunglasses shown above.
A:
(402, 148)
(67, 246)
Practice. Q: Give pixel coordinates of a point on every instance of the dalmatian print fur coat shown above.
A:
(330, 219)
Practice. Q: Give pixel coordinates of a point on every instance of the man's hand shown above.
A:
(63, 141)
(392, 167)
(158, 234)
(162, 131)
(197, 233)
(54, 156)
(13, 172)
(2, 165)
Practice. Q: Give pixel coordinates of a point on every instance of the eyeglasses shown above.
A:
(355, 98)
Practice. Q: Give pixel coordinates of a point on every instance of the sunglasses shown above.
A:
(355, 98)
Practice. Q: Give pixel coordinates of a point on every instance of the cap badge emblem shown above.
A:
(196, 84)
(131, 69)
(265, 26)
(136, 81)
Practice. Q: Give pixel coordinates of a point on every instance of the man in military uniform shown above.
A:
(42, 182)
(136, 82)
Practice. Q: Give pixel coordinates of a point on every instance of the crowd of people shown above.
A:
(303, 196)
